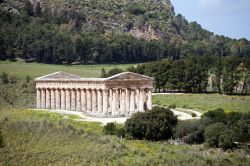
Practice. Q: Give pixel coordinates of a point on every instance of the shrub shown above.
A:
(173, 106)
(193, 114)
(121, 132)
(156, 124)
(191, 131)
(109, 129)
(244, 125)
(136, 9)
(217, 115)
(227, 139)
(1, 140)
(213, 132)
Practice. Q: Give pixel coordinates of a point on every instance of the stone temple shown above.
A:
(120, 95)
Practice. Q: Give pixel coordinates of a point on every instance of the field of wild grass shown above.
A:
(205, 102)
(40, 138)
(20, 69)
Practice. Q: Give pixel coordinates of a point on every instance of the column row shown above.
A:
(107, 102)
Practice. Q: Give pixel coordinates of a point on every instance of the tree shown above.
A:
(212, 134)
(38, 10)
(227, 139)
(155, 124)
(109, 129)
(29, 8)
(215, 116)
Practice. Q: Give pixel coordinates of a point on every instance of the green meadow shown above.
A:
(40, 138)
(21, 69)
(205, 102)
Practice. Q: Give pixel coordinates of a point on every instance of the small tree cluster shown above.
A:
(156, 124)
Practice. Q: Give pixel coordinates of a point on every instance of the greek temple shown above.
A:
(120, 95)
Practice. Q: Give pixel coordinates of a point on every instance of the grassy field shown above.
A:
(39, 138)
(205, 102)
(36, 69)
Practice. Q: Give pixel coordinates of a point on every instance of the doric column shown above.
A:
(89, 100)
(43, 98)
(132, 101)
(141, 101)
(67, 96)
(83, 100)
(137, 98)
(63, 99)
(48, 98)
(94, 99)
(78, 100)
(99, 100)
(105, 101)
(73, 99)
(114, 102)
(127, 100)
(53, 99)
(110, 99)
(38, 98)
(123, 102)
(149, 99)
(58, 99)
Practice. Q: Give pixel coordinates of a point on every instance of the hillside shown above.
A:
(104, 31)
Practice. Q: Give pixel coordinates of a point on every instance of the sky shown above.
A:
(230, 18)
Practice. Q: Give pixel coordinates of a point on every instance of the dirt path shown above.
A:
(181, 116)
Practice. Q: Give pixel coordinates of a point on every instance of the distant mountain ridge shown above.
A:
(105, 31)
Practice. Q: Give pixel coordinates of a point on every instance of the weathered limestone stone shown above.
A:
(132, 101)
(38, 98)
(89, 99)
(99, 101)
(78, 100)
(48, 97)
(105, 101)
(119, 95)
(63, 99)
(58, 99)
(68, 98)
(83, 100)
(53, 99)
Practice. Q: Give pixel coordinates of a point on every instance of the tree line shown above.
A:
(34, 34)
(193, 74)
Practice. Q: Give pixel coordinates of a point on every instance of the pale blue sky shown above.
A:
(230, 18)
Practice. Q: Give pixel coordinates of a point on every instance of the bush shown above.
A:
(213, 132)
(227, 139)
(244, 125)
(1, 140)
(156, 124)
(121, 132)
(191, 131)
(136, 9)
(217, 115)
(109, 129)
(173, 106)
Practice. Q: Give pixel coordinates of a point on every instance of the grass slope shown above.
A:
(39, 138)
(205, 102)
(36, 69)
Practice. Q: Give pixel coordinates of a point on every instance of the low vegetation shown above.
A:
(40, 138)
(205, 102)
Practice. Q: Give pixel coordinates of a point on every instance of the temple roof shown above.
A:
(58, 76)
(63, 76)
(129, 76)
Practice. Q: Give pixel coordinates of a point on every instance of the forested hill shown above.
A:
(104, 31)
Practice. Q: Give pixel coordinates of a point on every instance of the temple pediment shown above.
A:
(129, 76)
(58, 76)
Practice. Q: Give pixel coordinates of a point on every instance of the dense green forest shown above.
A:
(37, 32)
(197, 74)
